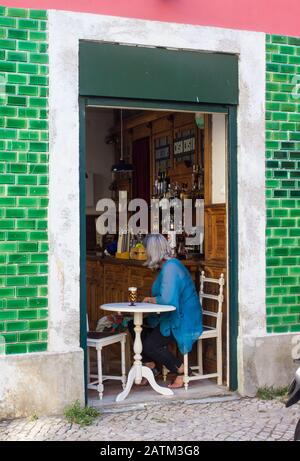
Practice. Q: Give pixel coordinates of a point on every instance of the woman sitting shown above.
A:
(173, 286)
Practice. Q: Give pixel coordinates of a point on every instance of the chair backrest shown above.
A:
(219, 298)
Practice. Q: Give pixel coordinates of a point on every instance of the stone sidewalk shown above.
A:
(212, 419)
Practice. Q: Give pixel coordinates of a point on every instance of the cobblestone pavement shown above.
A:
(243, 419)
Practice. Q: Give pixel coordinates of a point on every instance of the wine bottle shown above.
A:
(156, 187)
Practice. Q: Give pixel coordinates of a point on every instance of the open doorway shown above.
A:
(169, 151)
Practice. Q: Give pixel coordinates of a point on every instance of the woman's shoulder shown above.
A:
(177, 267)
(173, 264)
(172, 261)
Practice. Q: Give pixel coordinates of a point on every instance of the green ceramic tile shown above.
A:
(29, 336)
(17, 348)
(17, 326)
(37, 347)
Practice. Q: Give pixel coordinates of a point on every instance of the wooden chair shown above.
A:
(208, 333)
(97, 341)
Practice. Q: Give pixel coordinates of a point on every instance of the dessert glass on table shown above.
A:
(132, 295)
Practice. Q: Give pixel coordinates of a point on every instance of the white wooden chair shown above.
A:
(208, 333)
(98, 341)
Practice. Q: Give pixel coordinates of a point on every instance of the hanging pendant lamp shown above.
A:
(121, 166)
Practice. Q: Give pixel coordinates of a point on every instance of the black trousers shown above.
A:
(155, 347)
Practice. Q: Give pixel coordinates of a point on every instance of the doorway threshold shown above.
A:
(141, 397)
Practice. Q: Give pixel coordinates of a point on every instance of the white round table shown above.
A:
(138, 370)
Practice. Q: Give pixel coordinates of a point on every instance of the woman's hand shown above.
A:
(150, 300)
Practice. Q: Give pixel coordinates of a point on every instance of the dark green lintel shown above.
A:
(122, 71)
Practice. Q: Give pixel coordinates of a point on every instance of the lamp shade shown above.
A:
(122, 166)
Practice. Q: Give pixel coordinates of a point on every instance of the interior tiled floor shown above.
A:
(145, 394)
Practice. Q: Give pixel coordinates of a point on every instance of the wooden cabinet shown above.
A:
(94, 290)
(114, 281)
(215, 232)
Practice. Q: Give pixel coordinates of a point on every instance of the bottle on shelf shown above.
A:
(155, 191)
(195, 177)
(159, 184)
(169, 191)
(200, 182)
(164, 184)
(172, 237)
(176, 190)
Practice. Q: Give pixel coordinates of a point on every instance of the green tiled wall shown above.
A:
(23, 180)
(283, 183)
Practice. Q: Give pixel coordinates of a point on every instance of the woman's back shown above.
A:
(174, 285)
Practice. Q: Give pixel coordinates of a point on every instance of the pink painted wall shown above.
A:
(271, 16)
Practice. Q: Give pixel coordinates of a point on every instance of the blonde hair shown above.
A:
(158, 249)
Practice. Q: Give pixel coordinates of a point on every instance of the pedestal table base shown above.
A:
(146, 373)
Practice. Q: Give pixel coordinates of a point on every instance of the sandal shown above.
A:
(190, 372)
